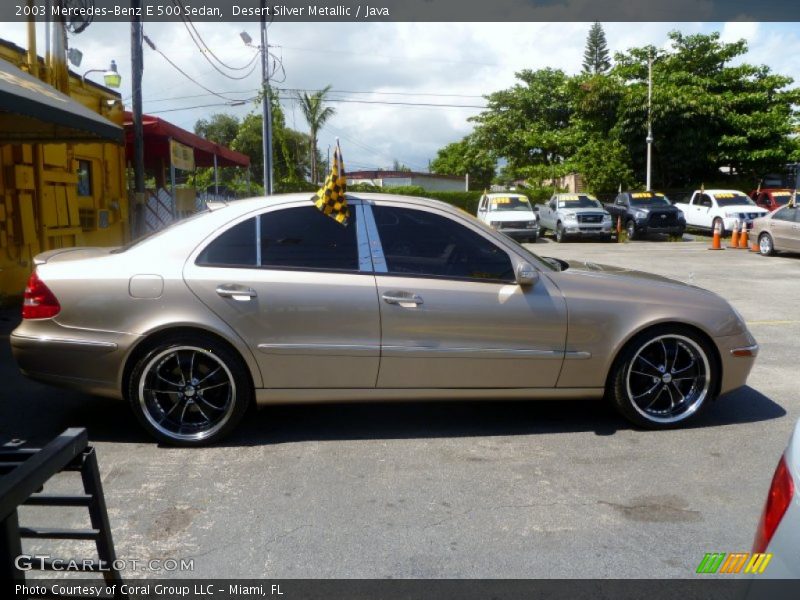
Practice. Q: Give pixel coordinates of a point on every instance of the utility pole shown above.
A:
(266, 131)
(649, 138)
(137, 66)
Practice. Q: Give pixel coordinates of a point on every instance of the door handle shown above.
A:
(236, 292)
(404, 299)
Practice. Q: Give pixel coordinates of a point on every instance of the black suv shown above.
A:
(645, 213)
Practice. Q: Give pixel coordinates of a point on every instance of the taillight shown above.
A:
(778, 500)
(38, 301)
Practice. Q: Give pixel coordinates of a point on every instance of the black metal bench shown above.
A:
(23, 474)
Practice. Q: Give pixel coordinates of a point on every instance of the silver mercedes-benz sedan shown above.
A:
(268, 300)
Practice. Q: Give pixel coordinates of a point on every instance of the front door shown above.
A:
(298, 288)
(452, 315)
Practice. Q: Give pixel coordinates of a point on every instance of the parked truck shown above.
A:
(574, 216)
(645, 213)
(706, 209)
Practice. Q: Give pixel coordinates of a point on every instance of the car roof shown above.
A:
(505, 195)
(239, 207)
(724, 192)
(587, 194)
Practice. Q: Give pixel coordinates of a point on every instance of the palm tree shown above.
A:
(316, 114)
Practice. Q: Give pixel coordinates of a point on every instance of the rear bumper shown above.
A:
(85, 360)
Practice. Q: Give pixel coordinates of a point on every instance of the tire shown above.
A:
(630, 229)
(183, 363)
(722, 232)
(644, 388)
(560, 235)
(766, 245)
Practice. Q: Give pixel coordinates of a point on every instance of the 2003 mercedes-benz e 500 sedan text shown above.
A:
(270, 300)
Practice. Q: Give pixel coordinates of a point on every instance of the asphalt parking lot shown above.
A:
(478, 489)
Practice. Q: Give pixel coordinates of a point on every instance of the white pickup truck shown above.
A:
(706, 208)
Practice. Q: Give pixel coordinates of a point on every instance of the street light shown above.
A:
(649, 138)
(111, 76)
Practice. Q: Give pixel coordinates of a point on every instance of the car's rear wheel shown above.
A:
(189, 390)
(766, 245)
(664, 377)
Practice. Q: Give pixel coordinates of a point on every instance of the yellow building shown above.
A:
(69, 192)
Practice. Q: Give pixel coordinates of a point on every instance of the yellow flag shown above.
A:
(331, 198)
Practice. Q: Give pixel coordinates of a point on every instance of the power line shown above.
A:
(166, 110)
(188, 23)
(397, 58)
(386, 93)
(184, 73)
(392, 103)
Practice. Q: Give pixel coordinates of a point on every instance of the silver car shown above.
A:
(778, 533)
(269, 300)
(575, 216)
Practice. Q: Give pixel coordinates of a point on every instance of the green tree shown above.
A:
(708, 112)
(219, 128)
(529, 125)
(596, 59)
(316, 115)
(465, 157)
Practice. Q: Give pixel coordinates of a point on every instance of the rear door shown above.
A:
(298, 288)
(783, 227)
(452, 315)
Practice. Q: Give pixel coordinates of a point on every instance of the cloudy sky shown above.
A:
(372, 64)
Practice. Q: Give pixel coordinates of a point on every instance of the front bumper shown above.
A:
(588, 230)
(731, 224)
(669, 230)
(521, 234)
(737, 356)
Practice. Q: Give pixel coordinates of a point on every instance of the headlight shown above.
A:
(531, 224)
(607, 218)
(570, 217)
(494, 224)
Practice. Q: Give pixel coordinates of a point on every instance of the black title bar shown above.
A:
(407, 10)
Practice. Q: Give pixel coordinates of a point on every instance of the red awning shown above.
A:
(157, 133)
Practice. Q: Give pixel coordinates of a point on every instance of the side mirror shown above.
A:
(526, 275)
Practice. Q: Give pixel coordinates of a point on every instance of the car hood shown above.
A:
(610, 270)
(510, 215)
(745, 208)
(664, 208)
(580, 211)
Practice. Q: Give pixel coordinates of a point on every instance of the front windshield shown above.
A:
(578, 201)
(641, 199)
(732, 199)
(518, 203)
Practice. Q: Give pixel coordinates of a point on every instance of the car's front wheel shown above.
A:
(664, 377)
(630, 229)
(189, 390)
(560, 233)
(765, 244)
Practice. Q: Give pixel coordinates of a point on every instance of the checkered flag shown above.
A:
(330, 198)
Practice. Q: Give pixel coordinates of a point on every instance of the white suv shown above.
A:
(510, 214)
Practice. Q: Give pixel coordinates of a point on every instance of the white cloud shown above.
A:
(459, 62)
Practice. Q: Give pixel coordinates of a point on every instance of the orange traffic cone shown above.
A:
(735, 235)
(619, 228)
(754, 246)
(743, 245)
(715, 243)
